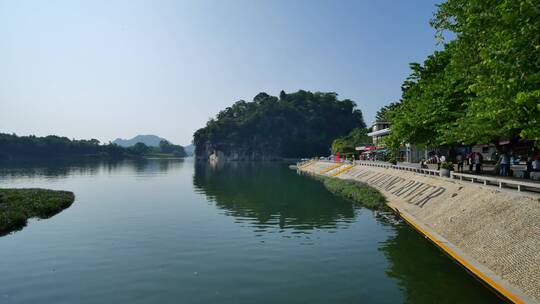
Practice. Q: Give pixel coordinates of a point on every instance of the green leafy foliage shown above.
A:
(56, 147)
(18, 205)
(168, 148)
(382, 114)
(348, 143)
(293, 125)
(52, 146)
(448, 165)
(484, 85)
(139, 149)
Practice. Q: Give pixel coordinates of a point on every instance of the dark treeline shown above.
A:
(291, 125)
(164, 147)
(52, 147)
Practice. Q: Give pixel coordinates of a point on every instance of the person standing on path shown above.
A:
(423, 164)
(504, 161)
(528, 163)
(478, 162)
(459, 160)
(536, 165)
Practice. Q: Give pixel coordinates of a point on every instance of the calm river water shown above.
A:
(172, 231)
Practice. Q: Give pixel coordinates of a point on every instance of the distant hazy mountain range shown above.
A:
(149, 140)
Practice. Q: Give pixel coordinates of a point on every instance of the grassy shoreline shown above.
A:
(355, 191)
(18, 205)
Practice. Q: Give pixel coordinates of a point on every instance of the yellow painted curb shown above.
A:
(343, 170)
(471, 268)
(307, 164)
(331, 168)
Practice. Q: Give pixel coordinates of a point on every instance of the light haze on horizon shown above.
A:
(108, 69)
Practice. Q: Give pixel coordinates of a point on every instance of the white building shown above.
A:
(408, 153)
(378, 131)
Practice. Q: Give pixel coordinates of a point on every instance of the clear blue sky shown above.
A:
(107, 69)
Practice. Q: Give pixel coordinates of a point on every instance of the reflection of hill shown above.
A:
(65, 168)
(155, 164)
(53, 168)
(271, 194)
(426, 274)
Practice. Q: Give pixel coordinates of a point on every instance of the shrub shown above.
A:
(448, 165)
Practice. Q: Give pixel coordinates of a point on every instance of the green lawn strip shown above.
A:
(18, 205)
(355, 191)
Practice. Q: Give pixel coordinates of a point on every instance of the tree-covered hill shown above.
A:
(292, 125)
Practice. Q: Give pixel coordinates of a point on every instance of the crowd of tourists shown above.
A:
(499, 164)
(475, 162)
(505, 160)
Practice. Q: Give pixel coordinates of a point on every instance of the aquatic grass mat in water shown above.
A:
(18, 205)
(355, 191)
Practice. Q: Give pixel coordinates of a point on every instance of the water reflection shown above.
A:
(425, 273)
(270, 195)
(60, 169)
(138, 223)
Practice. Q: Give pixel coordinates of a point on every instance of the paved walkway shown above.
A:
(498, 230)
(488, 171)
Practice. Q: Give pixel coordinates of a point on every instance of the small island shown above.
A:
(18, 205)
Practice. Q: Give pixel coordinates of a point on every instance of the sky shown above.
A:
(109, 69)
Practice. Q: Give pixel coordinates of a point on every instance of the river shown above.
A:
(173, 231)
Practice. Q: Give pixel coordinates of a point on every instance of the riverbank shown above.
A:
(494, 234)
(18, 205)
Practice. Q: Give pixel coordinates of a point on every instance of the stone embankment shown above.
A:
(495, 234)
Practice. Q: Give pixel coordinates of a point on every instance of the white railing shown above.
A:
(501, 182)
(398, 167)
(486, 180)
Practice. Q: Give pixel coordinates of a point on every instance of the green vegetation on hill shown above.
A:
(165, 149)
(348, 143)
(56, 147)
(291, 125)
(52, 146)
(18, 205)
(483, 85)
